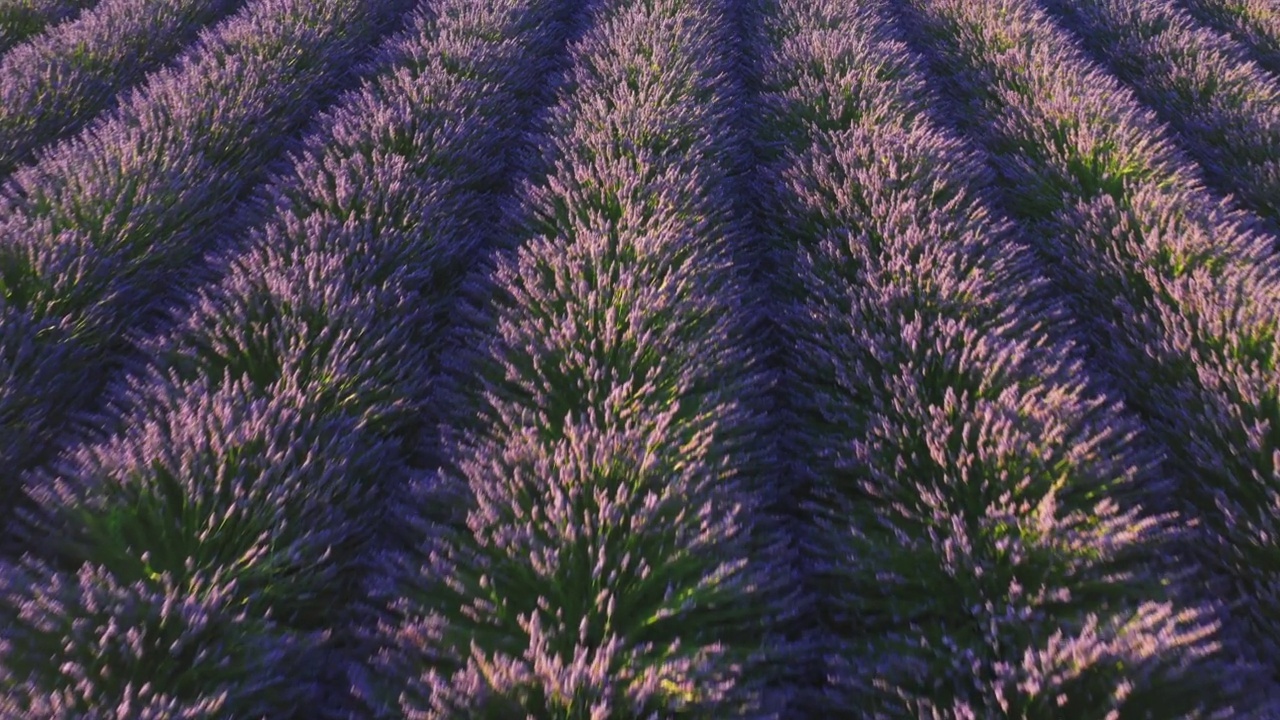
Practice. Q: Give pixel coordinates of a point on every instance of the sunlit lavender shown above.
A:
(639, 359)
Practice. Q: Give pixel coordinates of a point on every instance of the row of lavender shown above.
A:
(1254, 23)
(22, 19)
(59, 81)
(614, 559)
(137, 598)
(971, 486)
(1176, 291)
(1225, 108)
(971, 523)
(111, 220)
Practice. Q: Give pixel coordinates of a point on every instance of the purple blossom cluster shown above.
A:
(974, 532)
(144, 639)
(21, 19)
(1225, 108)
(1255, 23)
(91, 235)
(209, 534)
(639, 358)
(58, 81)
(1177, 293)
(613, 560)
(258, 449)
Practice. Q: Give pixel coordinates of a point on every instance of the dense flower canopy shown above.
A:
(639, 359)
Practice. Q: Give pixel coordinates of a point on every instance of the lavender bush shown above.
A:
(318, 331)
(156, 632)
(613, 561)
(87, 234)
(1225, 108)
(21, 19)
(639, 358)
(58, 81)
(1178, 293)
(973, 488)
(210, 534)
(1256, 23)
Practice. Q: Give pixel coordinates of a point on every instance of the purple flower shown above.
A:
(1176, 293)
(21, 19)
(608, 409)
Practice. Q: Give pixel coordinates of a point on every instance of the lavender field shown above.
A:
(605, 359)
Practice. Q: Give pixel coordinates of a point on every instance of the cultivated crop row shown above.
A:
(970, 537)
(21, 19)
(614, 561)
(262, 443)
(93, 234)
(639, 358)
(1256, 23)
(169, 579)
(1225, 108)
(62, 79)
(1176, 291)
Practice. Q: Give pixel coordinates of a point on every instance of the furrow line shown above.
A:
(23, 19)
(1225, 108)
(1177, 292)
(59, 81)
(607, 414)
(90, 236)
(265, 444)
